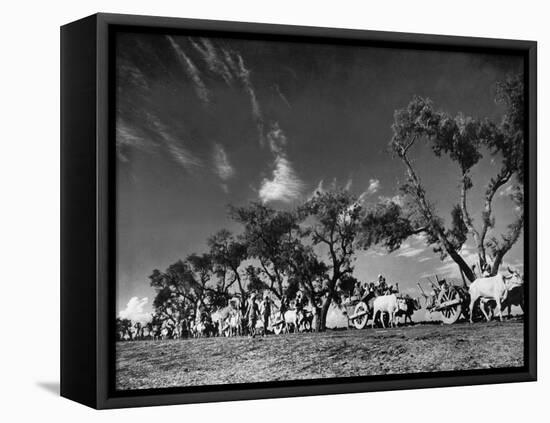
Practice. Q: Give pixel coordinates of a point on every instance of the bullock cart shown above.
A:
(452, 303)
(359, 312)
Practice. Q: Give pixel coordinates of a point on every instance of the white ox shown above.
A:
(492, 288)
(387, 304)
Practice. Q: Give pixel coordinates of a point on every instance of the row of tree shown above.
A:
(312, 247)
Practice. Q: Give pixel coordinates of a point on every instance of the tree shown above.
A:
(175, 295)
(227, 254)
(268, 235)
(463, 140)
(254, 280)
(183, 287)
(122, 327)
(336, 219)
(307, 273)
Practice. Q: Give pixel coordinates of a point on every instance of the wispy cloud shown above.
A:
(449, 269)
(348, 185)
(191, 70)
(243, 74)
(372, 188)
(128, 137)
(284, 185)
(508, 191)
(397, 199)
(319, 189)
(333, 185)
(174, 145)
(222, 165)
(129, 73)
(415, 246)
(213, 61)
(276, 139)
(135, 310)
(281, 95)
(410, 252)
(182, 156)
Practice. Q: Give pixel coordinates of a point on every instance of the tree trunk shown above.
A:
(457, 258)
(431, 220)
(324, 312)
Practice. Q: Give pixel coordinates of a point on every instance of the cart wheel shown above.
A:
(451, 314)
(361, 322)
(278, 329)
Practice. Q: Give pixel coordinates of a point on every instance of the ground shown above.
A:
(412, 349)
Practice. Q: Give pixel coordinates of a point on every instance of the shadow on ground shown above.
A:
(51, 387)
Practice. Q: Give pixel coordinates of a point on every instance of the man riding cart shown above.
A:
(450, 300)
(360, 304)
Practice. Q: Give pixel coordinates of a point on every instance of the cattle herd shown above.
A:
(383, 305)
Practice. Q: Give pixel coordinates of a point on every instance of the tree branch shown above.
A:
(433, 225)
(508, 240)
(466, 218)
(494, 185)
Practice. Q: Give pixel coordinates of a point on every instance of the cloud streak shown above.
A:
(131, 74)
(276, 139)
(191, 70)
(243, 74)
(213, 61)
(177, 151)
(222, 166)
(372, 188)
(410, 252)
(281, 96)
(126, 138)
(284, 184)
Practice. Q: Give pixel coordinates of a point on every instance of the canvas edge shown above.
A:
(103, 398)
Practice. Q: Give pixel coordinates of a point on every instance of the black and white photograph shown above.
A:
(292, 210)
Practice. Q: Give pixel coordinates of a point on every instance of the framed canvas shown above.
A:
(257, 211)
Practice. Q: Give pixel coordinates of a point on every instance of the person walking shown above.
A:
(299, 304)
(252, 313)
(265, 309)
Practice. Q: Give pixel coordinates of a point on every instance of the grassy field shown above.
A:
(421, 348)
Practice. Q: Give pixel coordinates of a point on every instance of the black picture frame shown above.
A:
(88, 214)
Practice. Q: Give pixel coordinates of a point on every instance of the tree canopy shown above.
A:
(464, 140)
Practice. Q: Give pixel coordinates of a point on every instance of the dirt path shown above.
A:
(422, 348)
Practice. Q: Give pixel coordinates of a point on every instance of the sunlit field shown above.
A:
(338, 353)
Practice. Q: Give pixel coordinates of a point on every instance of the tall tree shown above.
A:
(336, 217)
(227, 255)
(268, 235)
(175, 292)
(464, 140)
(307, 272)
(183, 287)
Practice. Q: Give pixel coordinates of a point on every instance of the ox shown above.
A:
(513, 298)
(387, 304)
(492, 288)
(407, 307)
(235, 324)
(220, 318)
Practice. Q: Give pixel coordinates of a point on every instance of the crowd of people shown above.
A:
(259, 314)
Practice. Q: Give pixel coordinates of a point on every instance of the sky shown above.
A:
(206, 122)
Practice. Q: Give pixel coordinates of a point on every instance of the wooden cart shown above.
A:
(452, 305)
